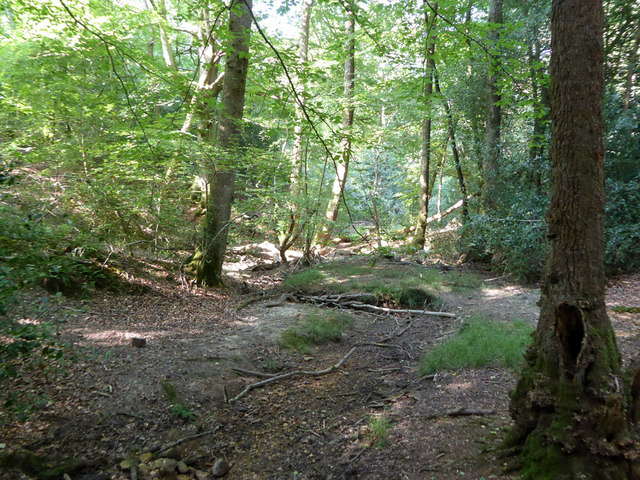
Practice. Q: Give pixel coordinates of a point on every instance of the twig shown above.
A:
(253, 373)
(262, 383)
(182, 440)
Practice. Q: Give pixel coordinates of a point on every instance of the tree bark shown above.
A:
(221, 180)
(425, 150)
(342, 166)
(209, 84)
(168, 54)
(451, 127)
(494, 114)
(569, 404)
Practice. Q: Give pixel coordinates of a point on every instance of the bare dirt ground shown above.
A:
(108, 403)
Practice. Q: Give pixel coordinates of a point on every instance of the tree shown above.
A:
(348, 110)
(569, 406)
(492, 127)
(222, 178)
(287, 238)
(425, 150)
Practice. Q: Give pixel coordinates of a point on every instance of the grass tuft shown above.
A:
(480, 343)
(316, 328)
(378, 431)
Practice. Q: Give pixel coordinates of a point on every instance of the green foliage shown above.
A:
(176, 407)
(180, 411)
(378, 430)
(316, 328)
(480, 343)
(23, 341)
(623, 309)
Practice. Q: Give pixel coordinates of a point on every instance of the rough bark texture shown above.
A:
(342, 166)
(569, 405)
(221, 182)
(492, 127)
(425, 150)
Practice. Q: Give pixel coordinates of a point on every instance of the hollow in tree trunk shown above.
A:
(569, 403)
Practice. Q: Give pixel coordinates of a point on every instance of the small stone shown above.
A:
(138, 342)
(164, 465)
(184, 477)
(173, 453)
(200, 475)
(126, 464)
(220, 468)
(146, 457)
(144, 470)
(183, 467)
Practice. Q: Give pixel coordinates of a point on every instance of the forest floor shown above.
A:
(371, 418)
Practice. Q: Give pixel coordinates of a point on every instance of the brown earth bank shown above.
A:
(112, 398)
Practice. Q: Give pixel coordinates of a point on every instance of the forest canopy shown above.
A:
(431, 119)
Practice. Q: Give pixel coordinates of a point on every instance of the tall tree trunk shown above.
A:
(425, 150)
(209, 84)
(222, 178)
(633, 64)
(168, 54)
(569, 404)
(451, 127)
(492, 127)
(287, 238)
(342, 166)
(542, 117)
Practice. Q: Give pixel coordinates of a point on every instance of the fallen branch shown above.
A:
(280, 302)
(262, 383)
(253, 373)
(364, 306)
(337, 300)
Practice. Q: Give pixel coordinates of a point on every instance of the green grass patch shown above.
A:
(623, 309)
(394, 285)
(378, 431)
(480, 343)
(304, 278)
(316, 328)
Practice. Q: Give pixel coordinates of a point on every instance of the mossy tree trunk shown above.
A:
(221, 179)
(569, 403)
(425, 147)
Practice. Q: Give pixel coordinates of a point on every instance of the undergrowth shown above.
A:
(480, 343)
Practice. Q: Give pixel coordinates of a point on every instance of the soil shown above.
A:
(107, 399)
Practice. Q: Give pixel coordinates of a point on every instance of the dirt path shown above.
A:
(110, 402)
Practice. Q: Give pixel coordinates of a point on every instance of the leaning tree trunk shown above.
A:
(342, 166)
(494, 114)
(221, 181)
(569, 403)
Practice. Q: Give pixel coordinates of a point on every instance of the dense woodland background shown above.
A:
(156, 128)
(107, 119)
